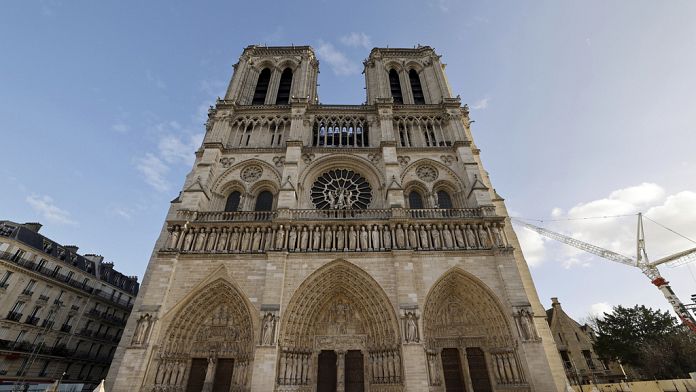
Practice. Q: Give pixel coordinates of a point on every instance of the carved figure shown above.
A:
(412, 237)
(328, 237)
(435, 233)
(400, 237)
(340, 239)
(246, 240)
(483, 237)
(292, 239)
(268, 329)
(498, 236)
(280, 238)
(200, 239)
(375, 238)
(471, 238)
(386, 237)
(364, 240)
(268, 239)
(424, 242)
(411, 327)
(188, 239)
(459, 237)
(304, 239)
(212, 237)
(447, 237)
(526, 325)
(352, 239)
(256, 241)
(173, 239)
(142, 330)
(234, 239)
(222, 241)
(316, 239)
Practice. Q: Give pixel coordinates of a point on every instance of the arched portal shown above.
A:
(469, 340)
(341, 310)
(208, 344)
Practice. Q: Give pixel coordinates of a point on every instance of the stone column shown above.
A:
(210, 375)
(465, 369)
(340, 370)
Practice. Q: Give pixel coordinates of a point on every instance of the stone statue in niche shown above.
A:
(352, 239)
(363, 239)
(433, 370)
(447, 238)
(268, 239)
(459, 237)
(211, 239)
(411, 327)
(304, 239)
(142, 330)
(423, 233)
(340, 238)
(525, 324)
(386, 237)
(292, 239)
(342, 316)
(328, 237)
(188, 240)
(280, 238)
(375, 238)
(268, 325)
(234, 239)
(173, 239)
(222, 241)
(435, 233)
(471, 238)
(200, 239)
(246, 240)
(483, 237)
(256, 241)
(412, 238)
(400, 237)
(210, 373)
(498, 236)
(316, 239)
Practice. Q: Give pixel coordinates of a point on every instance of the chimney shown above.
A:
(33, 226)
(555, 303)
(71, 248)
(95, 258)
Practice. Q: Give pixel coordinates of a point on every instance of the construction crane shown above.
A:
(641, 261)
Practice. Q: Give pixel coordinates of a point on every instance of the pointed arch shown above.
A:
(261, 89)
(395, 87)
(416, 88)
(460, 305)
(362, 294)
(283, 97)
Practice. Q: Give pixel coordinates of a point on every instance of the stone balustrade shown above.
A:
(321, 231)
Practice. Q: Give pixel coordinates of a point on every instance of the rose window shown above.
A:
(341, 189)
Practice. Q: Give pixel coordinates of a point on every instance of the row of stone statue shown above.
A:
(293, 368)
(171, 374)
(385, 367)
(336, 238)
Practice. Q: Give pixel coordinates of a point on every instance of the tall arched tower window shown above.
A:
(232, 203)
(416, 88)
(261, 87)
(443, 199)
(395, 86)
(264, 201)
(415, 200)
(283, 97)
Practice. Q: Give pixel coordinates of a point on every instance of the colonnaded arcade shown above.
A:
(337, 247)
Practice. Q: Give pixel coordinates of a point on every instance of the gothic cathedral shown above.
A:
(337, 247)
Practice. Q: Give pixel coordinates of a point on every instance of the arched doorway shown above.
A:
(339, 333)
(208, 344)
(469, 341)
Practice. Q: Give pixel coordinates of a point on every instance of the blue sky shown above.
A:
(580, 108)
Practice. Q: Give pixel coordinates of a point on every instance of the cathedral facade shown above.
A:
(337, 247)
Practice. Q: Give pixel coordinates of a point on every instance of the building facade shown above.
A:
(575, 344)
(61, 312)
(337, 247)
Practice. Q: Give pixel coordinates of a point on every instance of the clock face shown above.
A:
(341, 189)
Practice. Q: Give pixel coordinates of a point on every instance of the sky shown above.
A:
(581, 109)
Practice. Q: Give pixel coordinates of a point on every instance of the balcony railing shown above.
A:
(43, 297)
(47, 324)
(65, 328)
(65, 279)
(14, 316)
(31, 320)
(338, 231)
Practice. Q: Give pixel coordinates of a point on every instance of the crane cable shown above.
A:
(572, 219)
(668, 229)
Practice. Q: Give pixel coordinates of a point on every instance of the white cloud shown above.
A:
(213, 88)
(532, 246)
(120, 128)
(153, 170)
(338, 61)
(357, 40)
(480, 104)
(175, 150)
(48, 210)
(618, 233)
(598, 309)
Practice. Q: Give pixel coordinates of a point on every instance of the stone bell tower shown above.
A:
(351, 248)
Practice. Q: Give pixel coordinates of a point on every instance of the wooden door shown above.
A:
(223, 375)
(326, 377)
(478, 371)
(355, 371)
(452, 370)
(197, 375)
